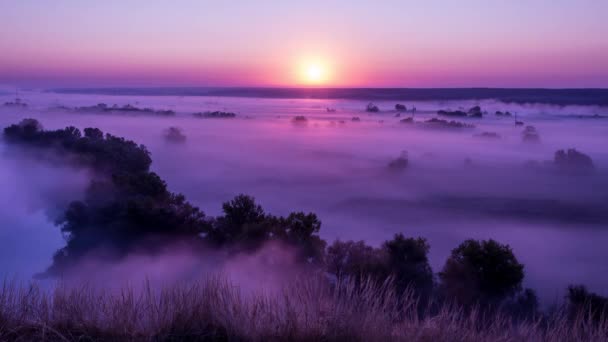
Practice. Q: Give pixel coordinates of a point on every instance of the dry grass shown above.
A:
(214, 309)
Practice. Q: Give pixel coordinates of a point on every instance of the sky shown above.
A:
(432, 43)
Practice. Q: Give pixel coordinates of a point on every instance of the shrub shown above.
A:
(581, 301)
(572, 159)
(175, 135)
(372, 108)
(399, 163)
(530, 135)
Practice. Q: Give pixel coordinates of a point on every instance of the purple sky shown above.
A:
(500, 43)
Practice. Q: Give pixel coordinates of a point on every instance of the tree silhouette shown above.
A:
(484, 272)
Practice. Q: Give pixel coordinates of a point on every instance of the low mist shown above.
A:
(456, 184)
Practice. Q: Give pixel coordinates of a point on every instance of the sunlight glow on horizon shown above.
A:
(470, 43)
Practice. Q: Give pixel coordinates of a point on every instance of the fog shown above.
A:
(456, 185)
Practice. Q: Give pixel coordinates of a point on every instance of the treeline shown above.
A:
(127, 207)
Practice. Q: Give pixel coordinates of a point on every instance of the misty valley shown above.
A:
(474, 202)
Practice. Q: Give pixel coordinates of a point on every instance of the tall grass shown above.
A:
(215, 309)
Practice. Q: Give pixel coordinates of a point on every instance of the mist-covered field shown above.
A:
(456, 183)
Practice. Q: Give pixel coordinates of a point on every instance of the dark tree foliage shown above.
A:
(523, 306)
(400, 163)
(127, 207)
(408, 263)
(403, 259)
(481, 272)
(475, 112)
(581, 301)
(357, 260)
(124, 205)
(246, 225)
(174, 135)
(530, 135)
(573, 160)
(372, 108)
(109, 154)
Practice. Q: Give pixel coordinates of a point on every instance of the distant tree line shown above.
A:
(128, 207)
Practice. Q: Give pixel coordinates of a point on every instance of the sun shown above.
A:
(313, 73)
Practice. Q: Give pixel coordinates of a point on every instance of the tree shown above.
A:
(403, 259)
(481, 272)
(408, 263)
(356, 260)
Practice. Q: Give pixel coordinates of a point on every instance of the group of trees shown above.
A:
(473, 112)
(128, 207)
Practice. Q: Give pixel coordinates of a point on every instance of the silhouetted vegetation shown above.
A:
(459, 113)
(439, 123)
(400, 107)
(215, 115)
(104, 108)
(499, 113)
(530, 135)
(399, 163)
(355, 119)
(581, 300)
(127, 207)
(244, 224)
(372, 108)
(475, 112)
(573, 160)
(299, 120)
(175, 135)
(481, 272)
(17, 103)
(309, 309)
(108, 154)
(409, 120)
(402, 259)
(488, 135)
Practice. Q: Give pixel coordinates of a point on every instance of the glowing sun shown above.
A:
(313, 73)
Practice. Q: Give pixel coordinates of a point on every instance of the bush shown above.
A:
(399, 163)
(530, 135)
(475, 112)
(581, 301)
(572, 159)
(439, 123)
(299, 119)
(175, 135)
(372, 108)
(215, 115)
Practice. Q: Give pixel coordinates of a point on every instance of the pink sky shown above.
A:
(537, 43)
